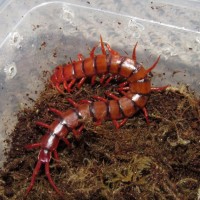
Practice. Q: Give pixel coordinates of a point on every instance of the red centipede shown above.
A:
(135, 93)
(105, 65)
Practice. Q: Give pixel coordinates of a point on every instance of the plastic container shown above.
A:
(38, 35)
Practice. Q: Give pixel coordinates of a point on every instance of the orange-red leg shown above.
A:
(65, 85)
(71, 83)
(77, 133)
(66, 141)
(80, 57)
(102, 78)
(80, 83)
(146, 115)
(112, 95)
(59, 89)
(123, 89)
(93, 50)
(112, 52)
(98, 122)
(85, 101)
(100, 98)
(93, 79)
(119, 124)
(159, 88)
(42, 124)
(108, 80)
(123, 84)
(72, 102)
(56, 111)
(31, 146)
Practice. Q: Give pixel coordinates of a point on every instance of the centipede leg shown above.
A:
(71, 83)
(81, 82)
(125, 94)
(66, 141)
(56, 111)
(93, 79)
(72, 102)
(32, 146)
(146, 115)
(108, 80)
(123, 84)
(57, 159)
(85, 101)
(77, 133)
(42, 124)
(98, 122)
(112, 52)
(65, 85)
(100, 98)
(80, 56)
(119, 124)
(93, 50)
(123, 89)
(59, 89)
(55, 153)
(102, 79)
(159, 88)
(112, 95)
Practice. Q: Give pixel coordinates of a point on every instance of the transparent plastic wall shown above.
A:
(38, 35)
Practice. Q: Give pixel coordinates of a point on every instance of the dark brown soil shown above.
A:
(138, 161)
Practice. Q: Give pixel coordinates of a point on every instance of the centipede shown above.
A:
(134, 94)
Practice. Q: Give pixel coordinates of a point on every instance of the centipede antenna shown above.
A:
(35, 172)
(153, 66)
(134, 53)
(102, 46)
(50, 179)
